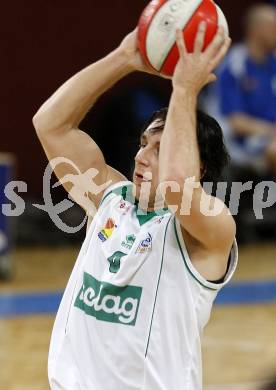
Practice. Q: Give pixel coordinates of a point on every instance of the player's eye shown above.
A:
(142, 145)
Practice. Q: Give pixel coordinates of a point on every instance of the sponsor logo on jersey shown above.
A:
(129, 241)
(159, 220)
(107, 302)
(108, 230)
(145, 245)
(115, 262)
(124, 207)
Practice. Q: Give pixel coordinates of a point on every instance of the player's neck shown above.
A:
(151, 205)
(157, 204)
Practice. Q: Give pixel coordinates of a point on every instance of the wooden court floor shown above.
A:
(239, 345)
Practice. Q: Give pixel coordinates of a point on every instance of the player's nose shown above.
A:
(141, 158)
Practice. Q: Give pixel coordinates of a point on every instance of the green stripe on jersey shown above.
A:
(126, 192)
(157, 288)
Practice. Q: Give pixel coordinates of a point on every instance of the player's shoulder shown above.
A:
(117, 194)
(222, 229)
(121, 190)
(220, 209)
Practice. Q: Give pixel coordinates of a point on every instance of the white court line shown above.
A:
(237, 386)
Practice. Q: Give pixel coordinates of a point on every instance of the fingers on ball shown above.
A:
(200, 37)
(180, 42)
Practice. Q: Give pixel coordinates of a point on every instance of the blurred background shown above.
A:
(43, 44)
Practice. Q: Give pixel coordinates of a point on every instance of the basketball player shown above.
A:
(146, 277)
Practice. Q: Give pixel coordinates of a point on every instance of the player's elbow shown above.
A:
(40, 122)
(37, 122)
(46, 124)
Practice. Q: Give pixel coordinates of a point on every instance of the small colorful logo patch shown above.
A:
(108, 230)
(129, 241)
(145, 245)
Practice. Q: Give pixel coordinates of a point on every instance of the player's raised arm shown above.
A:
(57, 121)
(179, 157)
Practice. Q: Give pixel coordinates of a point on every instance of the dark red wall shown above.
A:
(43, 43)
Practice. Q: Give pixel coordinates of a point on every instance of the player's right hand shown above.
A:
(194, 70)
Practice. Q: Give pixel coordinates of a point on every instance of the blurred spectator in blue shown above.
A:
(247, 93)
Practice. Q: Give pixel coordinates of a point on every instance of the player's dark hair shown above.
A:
(213, 153)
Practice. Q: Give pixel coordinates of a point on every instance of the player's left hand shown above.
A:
(194, 70)
(129, 48)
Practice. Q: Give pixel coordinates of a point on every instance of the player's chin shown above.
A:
(136, 189)
(134, 180)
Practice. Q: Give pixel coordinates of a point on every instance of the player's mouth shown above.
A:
(140, 178)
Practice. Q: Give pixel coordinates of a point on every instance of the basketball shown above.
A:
(160, 20)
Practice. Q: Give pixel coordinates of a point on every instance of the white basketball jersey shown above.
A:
(134, 308)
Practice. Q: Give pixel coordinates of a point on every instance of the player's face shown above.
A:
(146, 172)
(267, 31)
